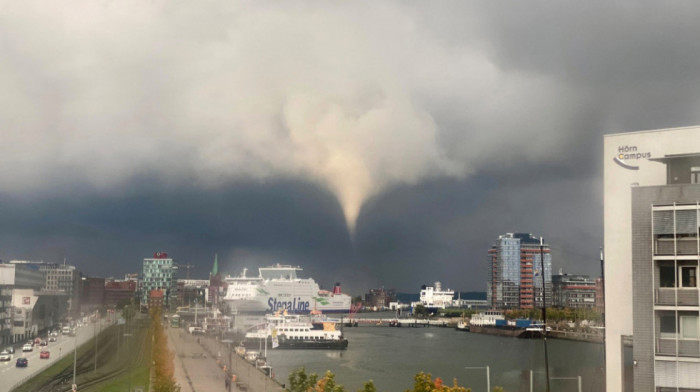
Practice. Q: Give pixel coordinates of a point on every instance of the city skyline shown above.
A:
(372, 144)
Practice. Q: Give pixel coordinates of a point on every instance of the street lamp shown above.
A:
(228, 341)
(488, 375)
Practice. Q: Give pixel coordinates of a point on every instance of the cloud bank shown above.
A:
(358, 97)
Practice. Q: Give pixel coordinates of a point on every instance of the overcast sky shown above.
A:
(373, 143)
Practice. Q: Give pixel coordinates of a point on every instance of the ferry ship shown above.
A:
(297, 332)
(278, 288)
(434, 298)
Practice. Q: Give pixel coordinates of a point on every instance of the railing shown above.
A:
(686, 348)
(667, 296)
(684, 246)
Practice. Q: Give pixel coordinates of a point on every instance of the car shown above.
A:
(37, 341)
(27, 347)
(44, 343)
(10, 350)
(52, 338)
(44, 354)
(22, 362)
(5, 356)
(54, 333)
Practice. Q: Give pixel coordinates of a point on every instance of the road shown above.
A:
(12, 376)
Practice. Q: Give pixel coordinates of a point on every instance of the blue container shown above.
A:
(522, 323)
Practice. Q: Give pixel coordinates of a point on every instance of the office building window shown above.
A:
(667, 276)
(695, 175)
(667, 326)
(688, 276)
(689, 327)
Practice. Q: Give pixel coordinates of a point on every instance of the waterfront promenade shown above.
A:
(199, 366)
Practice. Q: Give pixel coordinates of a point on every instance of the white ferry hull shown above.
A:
(295, 295)
(298, 305)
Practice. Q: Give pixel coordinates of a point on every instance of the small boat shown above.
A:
(462, 326)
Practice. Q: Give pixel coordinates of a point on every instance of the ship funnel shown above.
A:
(336, 289)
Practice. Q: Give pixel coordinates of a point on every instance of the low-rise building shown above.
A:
(120, 291)
(35, 311)
(60, 278)
(17, 276)
(573, 291)
(191, 291)
(156, 299)
(93, 295)
(599, 296)
(380, 298)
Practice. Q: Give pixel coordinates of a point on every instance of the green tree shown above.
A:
(420, 311)
(368, 387)
(299, 381)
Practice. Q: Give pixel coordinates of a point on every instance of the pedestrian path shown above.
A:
(202, 364)
(195, 370)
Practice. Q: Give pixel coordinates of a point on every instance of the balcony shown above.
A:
(667, 296)
(686, 348)
(685, 246)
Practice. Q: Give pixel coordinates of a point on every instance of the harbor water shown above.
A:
(391, 357)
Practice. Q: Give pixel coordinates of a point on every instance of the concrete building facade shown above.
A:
(119, 291)
(63, 278)
(651, 196)
(515, 272)
(12, 277)
(93, 293)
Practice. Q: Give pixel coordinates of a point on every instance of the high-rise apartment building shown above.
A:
(515, 272)
(159, 273)
(652, 248)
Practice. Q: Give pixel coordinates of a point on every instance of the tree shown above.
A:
(162, 357)
(299, 381)
(420, 310)
(423, 382)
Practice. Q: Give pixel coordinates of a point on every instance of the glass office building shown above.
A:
(159, 273)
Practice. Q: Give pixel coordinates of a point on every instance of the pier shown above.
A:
(397, 322)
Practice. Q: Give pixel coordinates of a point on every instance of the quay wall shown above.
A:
(577, 336)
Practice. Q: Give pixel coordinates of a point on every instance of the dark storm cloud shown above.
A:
(248, 225)
(268, 129)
